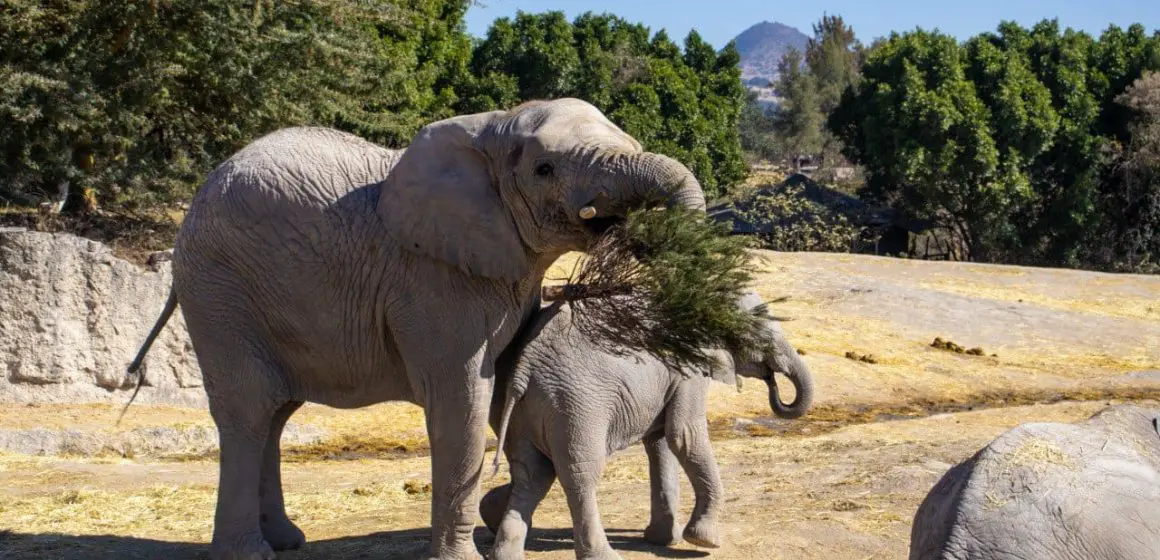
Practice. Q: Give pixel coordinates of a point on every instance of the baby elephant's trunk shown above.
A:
(803, 385)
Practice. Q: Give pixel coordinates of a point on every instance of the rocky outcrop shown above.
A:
(72, 317)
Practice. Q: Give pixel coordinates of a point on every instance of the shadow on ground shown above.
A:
(410, 544)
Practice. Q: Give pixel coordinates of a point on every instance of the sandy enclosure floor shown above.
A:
(841, 483)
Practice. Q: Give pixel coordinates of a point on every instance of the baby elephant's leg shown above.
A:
(532, 477)
(493, 505)
(579, 475)
(663, 470)
(690, 443)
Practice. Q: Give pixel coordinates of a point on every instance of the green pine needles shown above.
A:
(666, 282)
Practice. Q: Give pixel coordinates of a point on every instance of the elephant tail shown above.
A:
(515, 392)
(135, 367)
(505, 419)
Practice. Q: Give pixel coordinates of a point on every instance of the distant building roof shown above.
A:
(857, 211)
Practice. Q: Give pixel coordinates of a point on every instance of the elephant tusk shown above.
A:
(587, 213)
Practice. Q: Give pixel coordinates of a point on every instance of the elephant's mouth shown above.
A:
(600, 225)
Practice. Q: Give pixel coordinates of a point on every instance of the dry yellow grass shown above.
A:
(380, 430)
(845, 494)
(1145, 306)
(1037, 453)
(99, 417)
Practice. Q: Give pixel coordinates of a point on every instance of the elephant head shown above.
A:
(494, 192)
(779, 357)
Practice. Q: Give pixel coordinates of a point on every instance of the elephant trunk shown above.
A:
(658, 178)
(803, 384)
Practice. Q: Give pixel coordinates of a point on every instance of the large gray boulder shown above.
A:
(72, 316)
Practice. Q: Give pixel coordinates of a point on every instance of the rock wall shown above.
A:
(72, 317)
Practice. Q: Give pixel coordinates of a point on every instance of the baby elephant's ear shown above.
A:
(440, 201)
(723, 369)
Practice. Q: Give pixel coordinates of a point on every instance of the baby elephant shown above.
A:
(563, 404)
(1051, 491)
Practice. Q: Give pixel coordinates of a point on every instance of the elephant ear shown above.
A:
(723, 368)
(440, 201)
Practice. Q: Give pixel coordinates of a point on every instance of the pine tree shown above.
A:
(798, 120)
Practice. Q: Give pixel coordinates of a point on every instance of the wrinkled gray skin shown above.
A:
(568, 404)
(1048, 491)
(316, 266)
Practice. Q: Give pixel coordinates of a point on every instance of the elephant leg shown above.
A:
(492, 506)
(244, 413)
(663, 469)
(456, 427)
(532, 477)
(277, 529)
(690, 443)
(579, 479)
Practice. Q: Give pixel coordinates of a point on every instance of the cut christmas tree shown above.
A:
(666, 282)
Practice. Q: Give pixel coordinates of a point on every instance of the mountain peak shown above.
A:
(763, 45)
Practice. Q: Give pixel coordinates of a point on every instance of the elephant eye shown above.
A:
(544, 169)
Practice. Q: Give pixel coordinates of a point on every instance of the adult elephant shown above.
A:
(315, 266)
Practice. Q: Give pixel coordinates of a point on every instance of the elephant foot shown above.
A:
(283, 534)
(663, 534)
(492, 506)
(605, 554)
(509, 540)
(247, 546)
(470, 554)
(506, 551)
(703, 532)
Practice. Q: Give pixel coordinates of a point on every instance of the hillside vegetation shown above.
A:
(127, 106)
(1024, 145)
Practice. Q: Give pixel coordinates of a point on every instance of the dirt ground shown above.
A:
(843, 482)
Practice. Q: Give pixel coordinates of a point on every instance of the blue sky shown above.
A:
(718, 21)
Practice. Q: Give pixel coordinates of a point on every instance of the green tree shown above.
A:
(612, 56)
(663, 47)
(1068, 176)
(811, 84)
(685, 104)
(723, 97)
(1030, 120)
(1131, 242)
(919, 125)
(699, 55)
(798, 121)
(538, 50)
(136, 101)
(756, 127)
(832, 55)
